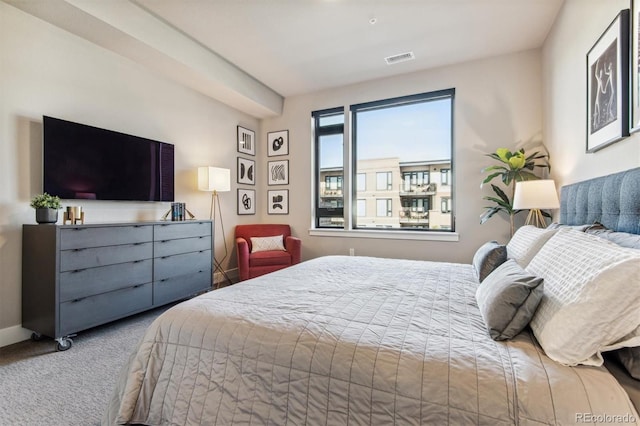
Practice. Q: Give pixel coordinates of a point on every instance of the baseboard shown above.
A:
(15, 334)
(218, 277)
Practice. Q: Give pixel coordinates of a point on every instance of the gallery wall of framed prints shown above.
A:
(246, 171)
(278, 172)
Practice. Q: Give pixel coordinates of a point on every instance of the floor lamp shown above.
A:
(215, 180)
(536, 195)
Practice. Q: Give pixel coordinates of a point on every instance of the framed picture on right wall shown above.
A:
(608, 85)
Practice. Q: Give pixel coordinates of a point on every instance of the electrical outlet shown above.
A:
(352, 252)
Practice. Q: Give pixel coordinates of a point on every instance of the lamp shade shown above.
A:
(536, 194)
(214, 179)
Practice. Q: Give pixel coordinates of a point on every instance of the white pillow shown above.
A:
(267, 243)
(526, 242)
(591, 300)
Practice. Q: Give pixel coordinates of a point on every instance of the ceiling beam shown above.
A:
(129, 30)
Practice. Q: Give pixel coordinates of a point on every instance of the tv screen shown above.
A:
(86, 162)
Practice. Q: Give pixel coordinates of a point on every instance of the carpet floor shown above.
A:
(40, 386)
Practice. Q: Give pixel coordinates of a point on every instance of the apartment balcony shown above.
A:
(331, 193)
(415, 190)
(414, 216)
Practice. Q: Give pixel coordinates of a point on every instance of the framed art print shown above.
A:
(246, 171)
(246, 141)
(246, 201)
(635, 65)
(608, 85)
(278, 201)
(278, 143)
(278, 172)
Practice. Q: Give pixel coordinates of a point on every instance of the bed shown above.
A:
(358, 340)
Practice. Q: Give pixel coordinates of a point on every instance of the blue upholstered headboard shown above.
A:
(612, 200)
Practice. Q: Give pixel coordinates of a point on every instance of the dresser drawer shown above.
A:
(181, 287)
(81, 283)
(169, 231)
(181, 264)
(83, 237)
(81, 314)
(102, 256)
(182, 245)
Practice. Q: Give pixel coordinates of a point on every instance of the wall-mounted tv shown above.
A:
(86, 162)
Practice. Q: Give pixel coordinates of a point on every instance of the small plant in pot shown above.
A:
(47, 207)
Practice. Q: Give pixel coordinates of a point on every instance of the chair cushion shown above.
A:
(269, 258)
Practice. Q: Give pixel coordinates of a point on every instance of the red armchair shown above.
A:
(251, 265)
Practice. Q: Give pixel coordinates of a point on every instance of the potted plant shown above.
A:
(515, 167)
(47, 207)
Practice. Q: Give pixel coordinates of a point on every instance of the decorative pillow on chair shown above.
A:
(591, 297)
(488, 258)
(526, 242)
(267, 243)
(507, 299)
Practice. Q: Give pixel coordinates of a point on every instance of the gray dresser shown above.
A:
(79, 276)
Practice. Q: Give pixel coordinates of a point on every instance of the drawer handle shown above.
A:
(75, 271)
(138, 244)
(138, 285)
(79, 229)
(78, 249)
(78, 300)
(138, 261)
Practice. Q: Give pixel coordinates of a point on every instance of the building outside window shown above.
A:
(397, 146)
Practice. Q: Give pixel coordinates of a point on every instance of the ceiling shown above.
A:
(301, 46)
(251, 54)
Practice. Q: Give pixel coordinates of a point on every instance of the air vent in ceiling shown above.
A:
(402, 57)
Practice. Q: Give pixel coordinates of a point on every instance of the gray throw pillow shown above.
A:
(507, 299)
(487, 258)
(630, 359)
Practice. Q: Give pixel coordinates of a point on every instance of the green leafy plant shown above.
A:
(46, 201)
(514, 167)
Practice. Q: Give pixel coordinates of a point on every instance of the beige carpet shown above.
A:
(40, 386)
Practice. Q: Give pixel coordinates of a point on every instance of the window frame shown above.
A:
(319, 131)
(350, 173)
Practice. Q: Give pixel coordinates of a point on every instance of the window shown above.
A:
(329, 129)
(384, 182)
(400, 145)
(383, 207)
(362, 208)
(445, 205)
(444, 176)
(333, 183)
(362, 182)
(415, 181)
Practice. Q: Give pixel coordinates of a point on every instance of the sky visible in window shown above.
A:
(415, 132)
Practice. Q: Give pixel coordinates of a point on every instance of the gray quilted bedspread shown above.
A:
(351, 341)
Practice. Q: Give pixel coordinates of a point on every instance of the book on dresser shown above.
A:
(75, 277)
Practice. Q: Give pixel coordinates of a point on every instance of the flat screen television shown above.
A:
(86, 162)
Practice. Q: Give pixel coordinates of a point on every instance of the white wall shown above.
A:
(47, 71)
(497, 104)
(578, 26)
